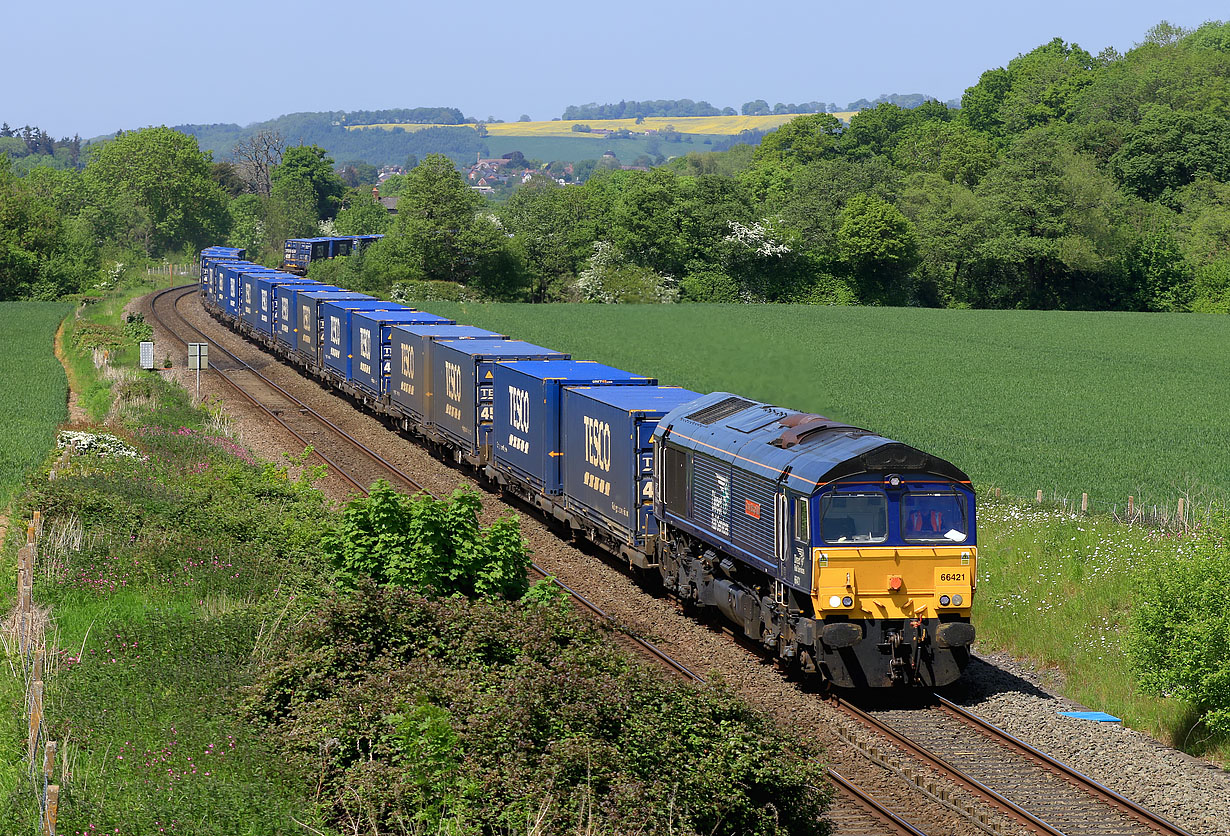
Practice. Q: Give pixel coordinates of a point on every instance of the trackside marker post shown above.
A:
(198, 358)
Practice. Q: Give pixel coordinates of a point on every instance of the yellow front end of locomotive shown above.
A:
(894, 582)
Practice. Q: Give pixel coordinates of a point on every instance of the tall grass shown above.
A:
(33, 388)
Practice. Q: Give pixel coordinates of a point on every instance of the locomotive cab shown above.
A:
(895, 561)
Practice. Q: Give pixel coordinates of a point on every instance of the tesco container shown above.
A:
(286, 323)
(233, 275)
(462, 400)
(258, 308)
(608, 454)
(370, 345)
(525, 434)
(310, 321)
(335, 318)
(410, 373)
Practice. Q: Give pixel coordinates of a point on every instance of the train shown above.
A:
(846, 555)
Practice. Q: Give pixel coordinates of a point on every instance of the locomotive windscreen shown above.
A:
(854, 517)
(933, 517)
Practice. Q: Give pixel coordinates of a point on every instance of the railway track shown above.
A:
(1009, 777)
(1032, 788)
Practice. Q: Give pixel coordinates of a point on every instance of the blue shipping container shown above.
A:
(525, 439)
(308, 317)
(258, 308)
(234, 285)
(608, 454)
(461, 406)
(370, 344)
(335, 352)
(288, 312)
(410, 375)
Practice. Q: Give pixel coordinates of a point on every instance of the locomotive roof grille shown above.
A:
(722, 409)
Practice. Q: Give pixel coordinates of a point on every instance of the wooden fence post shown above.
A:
(53, 809)
(36, 720)
(49, 760)
(1084, 503)
(1039, 497)
(1179, 513)
(1131, 503)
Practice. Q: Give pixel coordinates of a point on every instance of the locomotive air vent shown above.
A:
(722, 409)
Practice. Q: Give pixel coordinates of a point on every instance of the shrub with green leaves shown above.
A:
(429, 544)
(458, 716)
(1180, 632)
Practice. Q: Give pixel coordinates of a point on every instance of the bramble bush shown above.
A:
(428, 544)
(1180, 631)
(459, 716)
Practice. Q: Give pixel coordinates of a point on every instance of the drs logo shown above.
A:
(264, 300)
(407, 361)
(452, 382)
(305, 319)
(598, 443)
(365, 342)
(335, 330)
(519, 409)
(285, 306)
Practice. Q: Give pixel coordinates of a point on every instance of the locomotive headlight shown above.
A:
(847, 601)
(835, 601)
(893, 480)
(944, 600)
(956, 600)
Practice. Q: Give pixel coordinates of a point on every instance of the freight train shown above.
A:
(845, 553)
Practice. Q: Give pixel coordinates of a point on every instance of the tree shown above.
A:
(257, 156)
(956, 152)
(1054, 233)
(1168, 150)
(443, 234)
(555, 228)
(362, 214)
(165, 185)
(880, 246)
(310, 165)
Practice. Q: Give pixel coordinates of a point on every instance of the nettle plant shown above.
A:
(419, 542)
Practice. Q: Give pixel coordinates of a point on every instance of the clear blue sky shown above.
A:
(92, 68)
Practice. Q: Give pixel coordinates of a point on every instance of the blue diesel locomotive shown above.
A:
(845, 553)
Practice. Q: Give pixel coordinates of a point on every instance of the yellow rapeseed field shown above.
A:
(710, 125)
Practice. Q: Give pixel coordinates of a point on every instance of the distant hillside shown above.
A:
(389, 137)
(450, 133)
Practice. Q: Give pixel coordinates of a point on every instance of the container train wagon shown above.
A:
(299, 253)
(843, 552)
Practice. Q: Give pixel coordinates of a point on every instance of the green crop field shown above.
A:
(1106, 403)
(33, 389)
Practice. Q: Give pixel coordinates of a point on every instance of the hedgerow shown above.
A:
(430, 715)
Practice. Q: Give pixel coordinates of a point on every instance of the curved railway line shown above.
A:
(1012, 781)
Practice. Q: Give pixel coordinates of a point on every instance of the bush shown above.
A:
(428, 544)
(458, 716)
(1180, 632)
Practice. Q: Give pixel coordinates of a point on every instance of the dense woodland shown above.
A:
(1064, 180)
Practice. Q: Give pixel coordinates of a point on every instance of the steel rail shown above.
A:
(1094, 788)
(303, 408)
